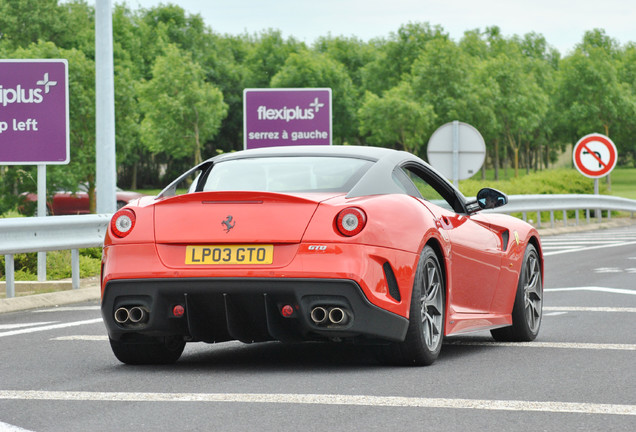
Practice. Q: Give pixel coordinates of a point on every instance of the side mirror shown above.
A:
(488, 198)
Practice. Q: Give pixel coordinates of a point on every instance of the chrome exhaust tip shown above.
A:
(138, 315)
(319, 315)
(338, 316)
(122, 315)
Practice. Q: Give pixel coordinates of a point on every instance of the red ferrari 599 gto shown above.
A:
(337, 243)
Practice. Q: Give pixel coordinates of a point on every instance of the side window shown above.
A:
(415, 185)
(185, 184)
(430, 189)
(401, 178)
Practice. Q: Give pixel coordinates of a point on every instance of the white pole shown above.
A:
(599, 215)
(41, 213)
(106, 171)
(456, 153)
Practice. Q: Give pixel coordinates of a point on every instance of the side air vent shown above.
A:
(505, 237)
(391, 282)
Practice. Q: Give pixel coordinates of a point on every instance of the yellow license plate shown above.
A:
(230, 254)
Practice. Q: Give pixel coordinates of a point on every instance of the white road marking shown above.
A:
(561, 345)
(608, 270)
(568, 345)
(5, 427)
(588, 248)
(99, 338)
(67, 309)
(555, 313)
(597, 289)
(50, 327)
(14, 326)
(589, 309)
(326, 399)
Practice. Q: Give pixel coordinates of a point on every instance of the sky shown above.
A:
(562, 23)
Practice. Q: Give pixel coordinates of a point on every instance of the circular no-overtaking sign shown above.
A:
(595, 155)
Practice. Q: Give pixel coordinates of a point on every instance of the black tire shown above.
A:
(164, 350)
(528, 307)
(425, 333)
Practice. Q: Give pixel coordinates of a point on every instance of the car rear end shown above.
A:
(216, 265)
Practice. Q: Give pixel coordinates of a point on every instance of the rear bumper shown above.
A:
(247, 309)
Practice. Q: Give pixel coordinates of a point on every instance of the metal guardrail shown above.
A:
(36, 234)
(39, 234)
(525, 204)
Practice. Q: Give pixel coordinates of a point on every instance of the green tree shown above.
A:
(225, 67)
(440, 76)
(395, 56)
(351, 52)
(520, 104)
(267, 54)
(23, 22)
(625, 131)
(396, 120)
(307, 69)
(591, 97)
(181, 110)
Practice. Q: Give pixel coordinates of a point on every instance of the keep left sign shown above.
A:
(34, 120)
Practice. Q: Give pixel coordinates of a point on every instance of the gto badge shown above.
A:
(228, 223)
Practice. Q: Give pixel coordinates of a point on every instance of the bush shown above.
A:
(58, 264)
(558, 181)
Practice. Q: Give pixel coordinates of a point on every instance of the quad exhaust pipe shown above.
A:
(329, 315)
(133, 315)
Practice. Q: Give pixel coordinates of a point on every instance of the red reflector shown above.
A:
(287, 311)
(178, 311)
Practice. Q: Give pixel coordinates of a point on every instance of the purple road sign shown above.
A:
(286, 117)
(34, 125)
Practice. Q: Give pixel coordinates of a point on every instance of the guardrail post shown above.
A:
(75, 268)
(539, 219)
(576, 214)
(565, 218)
(587, 215)
(9, 275)
(551, 219)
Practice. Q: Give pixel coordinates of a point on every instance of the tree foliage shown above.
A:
(179, 88)
(180, 107)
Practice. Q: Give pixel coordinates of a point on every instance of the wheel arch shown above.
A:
(534, 241)
(437, 248)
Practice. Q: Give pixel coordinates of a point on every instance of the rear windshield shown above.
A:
(286, 174)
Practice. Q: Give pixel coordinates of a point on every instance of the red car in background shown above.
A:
(72, 203)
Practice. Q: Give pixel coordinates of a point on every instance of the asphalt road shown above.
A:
(57, 372)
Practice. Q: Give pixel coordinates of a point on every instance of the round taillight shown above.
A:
(123, 222)
(351, 221)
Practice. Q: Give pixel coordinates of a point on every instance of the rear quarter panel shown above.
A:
(521, 234)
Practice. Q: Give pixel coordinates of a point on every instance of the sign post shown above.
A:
(286, 117)
(34, 121)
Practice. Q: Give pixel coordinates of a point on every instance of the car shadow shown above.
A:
(276, 356)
